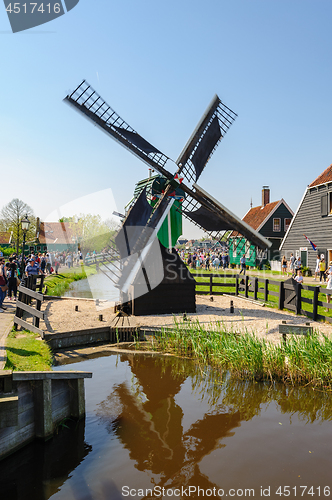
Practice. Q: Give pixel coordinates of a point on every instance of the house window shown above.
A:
(287, 223)
(324, 208)
(277, 225)
(330, 203)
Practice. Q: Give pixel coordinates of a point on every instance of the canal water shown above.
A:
(96, 286)
(155, 422)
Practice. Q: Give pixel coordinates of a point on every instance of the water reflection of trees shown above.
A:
(148, 420)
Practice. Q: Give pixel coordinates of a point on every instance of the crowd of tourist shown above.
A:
(206, 260)
(11, 267)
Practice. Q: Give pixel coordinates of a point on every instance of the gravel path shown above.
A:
(248, 316)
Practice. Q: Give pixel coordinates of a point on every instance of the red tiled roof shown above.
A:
(257, 215)
(326, 176)
(56, 232)
(4, 238)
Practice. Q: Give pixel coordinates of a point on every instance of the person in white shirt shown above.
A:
(329, 283)
(299, 277)
(317, 267)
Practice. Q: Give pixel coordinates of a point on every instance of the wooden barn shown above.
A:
(313, 219)
(271, 220)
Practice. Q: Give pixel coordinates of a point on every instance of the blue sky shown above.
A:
(158, 64)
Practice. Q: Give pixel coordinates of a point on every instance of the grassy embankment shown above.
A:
(27, 352)
(57, 284)
(302, 360)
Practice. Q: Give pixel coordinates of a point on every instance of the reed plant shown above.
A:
(301, 360)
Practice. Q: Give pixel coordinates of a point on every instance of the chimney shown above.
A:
(265, 195)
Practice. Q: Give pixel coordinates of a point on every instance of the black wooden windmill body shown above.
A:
(153, 279)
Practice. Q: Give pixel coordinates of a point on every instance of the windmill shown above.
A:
(152, 278)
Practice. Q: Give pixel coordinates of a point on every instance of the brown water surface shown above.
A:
(158, 422)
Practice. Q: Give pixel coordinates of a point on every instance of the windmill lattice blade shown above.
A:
(212, 127)
(86, 100)
(214, 218)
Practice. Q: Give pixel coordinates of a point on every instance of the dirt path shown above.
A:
(263, 321)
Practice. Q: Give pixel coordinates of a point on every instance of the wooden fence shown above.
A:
(301, 299)
(29, 301)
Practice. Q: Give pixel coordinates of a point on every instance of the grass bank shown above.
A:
(27, 352)
(57, 284)
(302, 360)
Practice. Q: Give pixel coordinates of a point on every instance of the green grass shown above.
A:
(302, 360)
(27, 352)
(57, 284)
(229, 278)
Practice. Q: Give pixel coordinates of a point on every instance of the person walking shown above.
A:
(57, 264)
(12, 281)
(297, 266)
(3, 284)
(317, 267)
(243, 264)
(329, 284)
(32, 269)
(284, 265)
(48, 263)
(322, 269)
(43, 263)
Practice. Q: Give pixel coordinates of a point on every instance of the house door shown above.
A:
(304, 257)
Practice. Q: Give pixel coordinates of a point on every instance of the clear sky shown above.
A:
(158, 64)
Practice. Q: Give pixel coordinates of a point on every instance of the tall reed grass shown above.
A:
(301, 360)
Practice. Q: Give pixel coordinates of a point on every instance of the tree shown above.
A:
(11, 217)
(90, 231)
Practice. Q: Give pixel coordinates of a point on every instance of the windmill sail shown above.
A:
(212, 127)
(86, 100)
(140, 264)
(213, 217)
(130, 232)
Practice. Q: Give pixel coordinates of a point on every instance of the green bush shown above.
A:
(306, 271)
(7, 251)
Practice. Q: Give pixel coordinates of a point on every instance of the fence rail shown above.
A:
(307, 300)
(26, 295)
